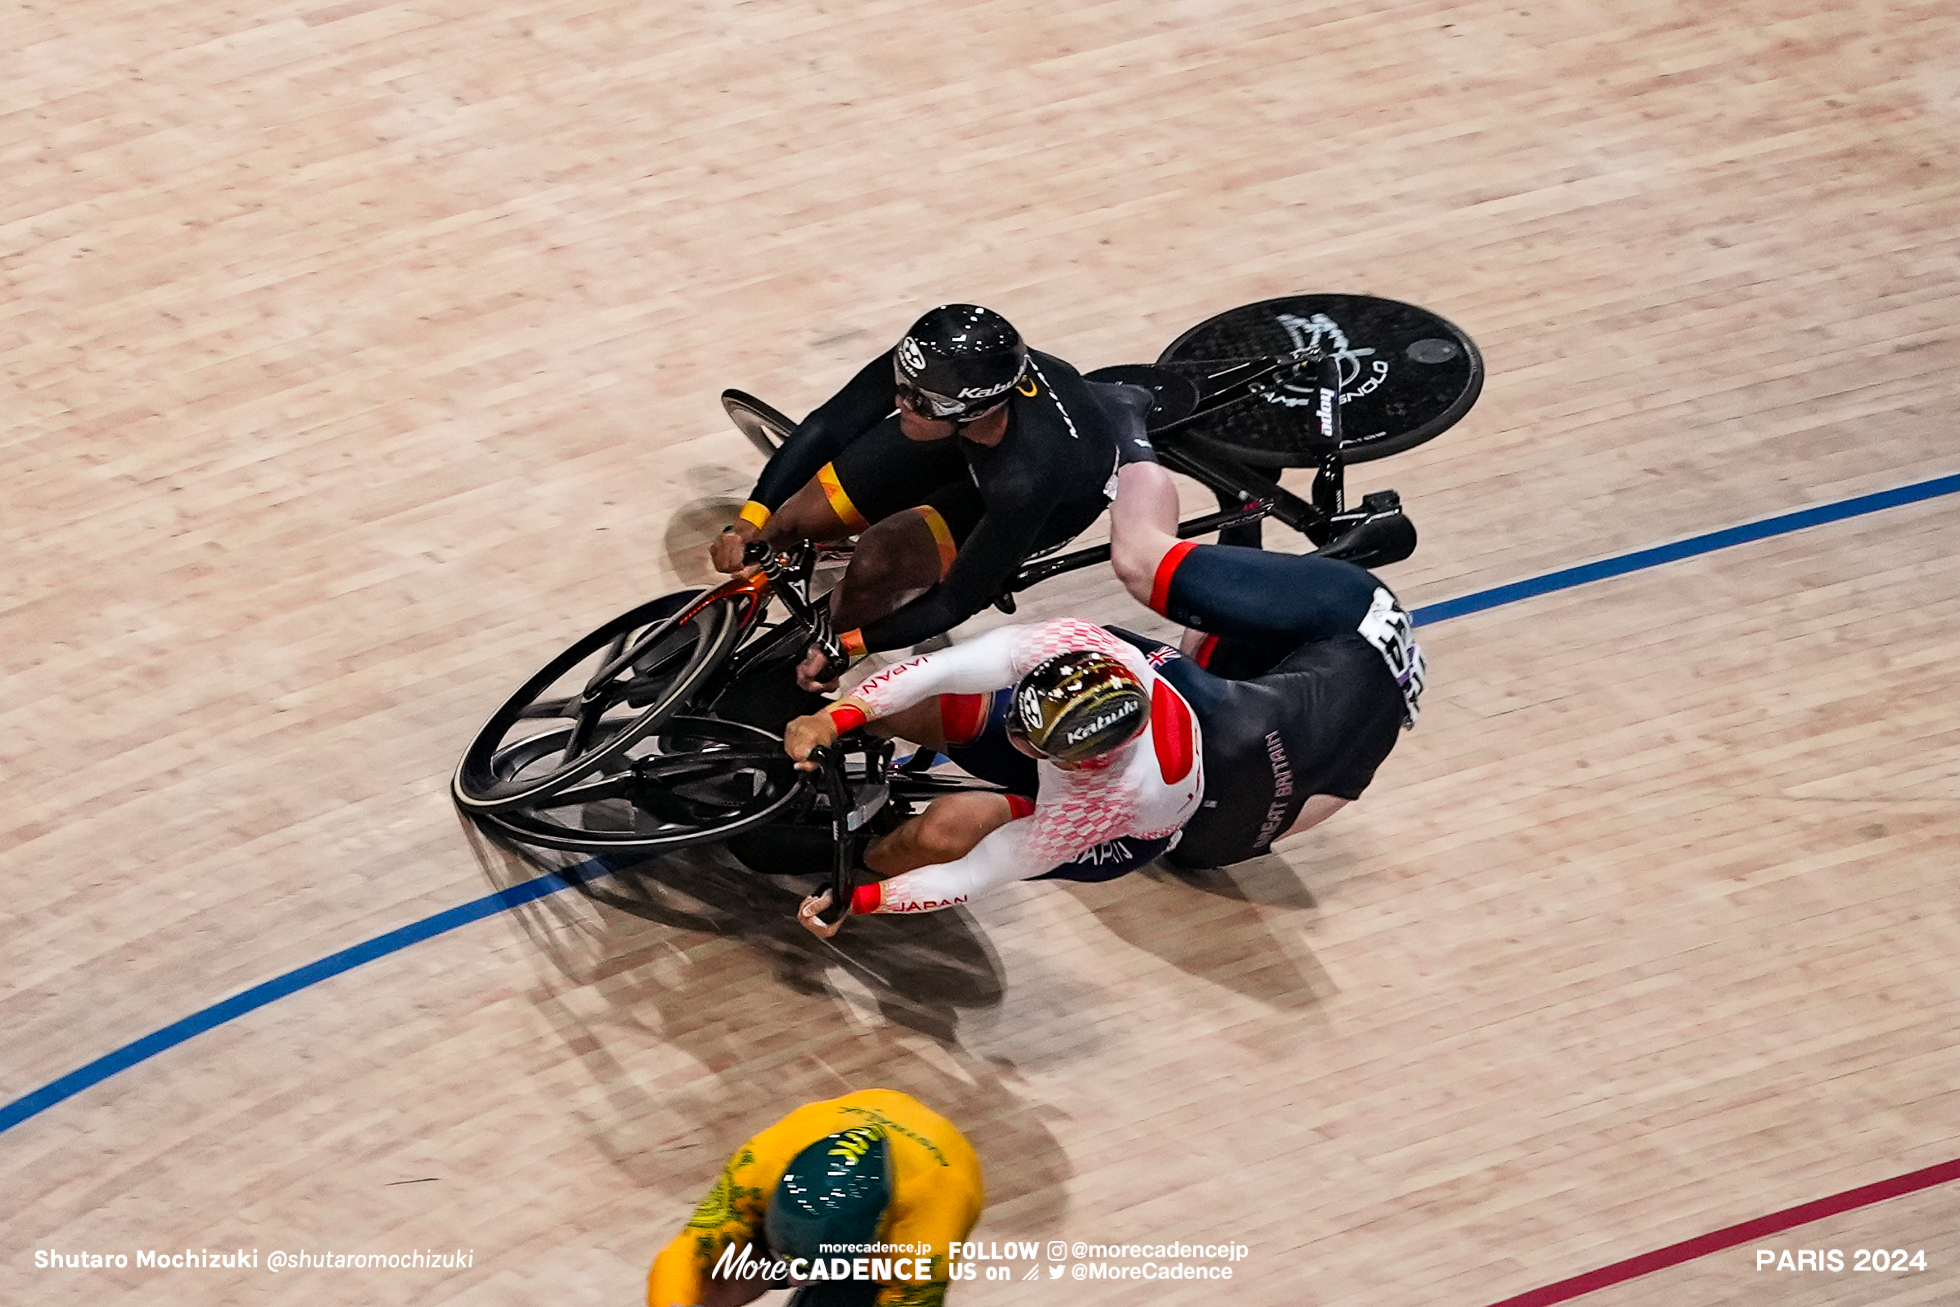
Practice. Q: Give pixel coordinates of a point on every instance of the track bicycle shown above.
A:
(662, 728)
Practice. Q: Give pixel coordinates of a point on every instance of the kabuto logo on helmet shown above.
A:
(1123, 711)
(911, 357)
(984, 392)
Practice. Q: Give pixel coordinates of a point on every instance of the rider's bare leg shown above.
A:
(922, 723)
(806, 515)
(894, 561)
(944, 832)
(1142, 526)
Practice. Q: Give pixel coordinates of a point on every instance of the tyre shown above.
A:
(765, 427)
(689, 781)
(587, 708)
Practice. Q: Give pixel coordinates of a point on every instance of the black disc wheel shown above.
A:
(690, 781)
(1407, 376)
(587, 708)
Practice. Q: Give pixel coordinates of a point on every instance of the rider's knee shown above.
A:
(946, 833)
(892, 554)
(874, 558)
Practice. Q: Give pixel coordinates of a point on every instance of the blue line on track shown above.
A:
(1621, 564)
(297, 979)
(40, 1100)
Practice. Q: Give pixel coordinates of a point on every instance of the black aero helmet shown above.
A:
(1076, 706)
(958, 362)
(834, 1192)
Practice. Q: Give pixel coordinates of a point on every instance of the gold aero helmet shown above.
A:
(1076, 706)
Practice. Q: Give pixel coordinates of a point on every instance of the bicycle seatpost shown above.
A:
(1330, 482)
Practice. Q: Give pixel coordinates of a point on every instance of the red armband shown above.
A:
(1160, 584)
(845, 716)
(866, 898)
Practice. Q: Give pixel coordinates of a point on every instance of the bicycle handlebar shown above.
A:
(779, 566)
(830, 764)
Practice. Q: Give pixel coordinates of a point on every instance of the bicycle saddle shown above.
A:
(1127, 407)
(1168, 397)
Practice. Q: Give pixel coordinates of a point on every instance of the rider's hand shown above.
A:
(817, 731)
(807, 914)
(814, 665)
(726, 552)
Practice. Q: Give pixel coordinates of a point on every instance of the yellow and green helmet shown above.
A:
(834, 1193)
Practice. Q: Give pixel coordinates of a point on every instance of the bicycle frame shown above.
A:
(1319, 519)
(786, 574)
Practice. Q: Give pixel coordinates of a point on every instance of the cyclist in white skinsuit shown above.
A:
(1090, 814)
(1284, 713)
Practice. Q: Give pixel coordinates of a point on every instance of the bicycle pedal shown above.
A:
(1381, 501)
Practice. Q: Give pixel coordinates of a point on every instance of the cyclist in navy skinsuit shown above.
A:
(1301, 676)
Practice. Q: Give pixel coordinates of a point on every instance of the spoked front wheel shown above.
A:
(689, 781)
(587, 708)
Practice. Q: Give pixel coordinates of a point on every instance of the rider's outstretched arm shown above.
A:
(974, 666)
(1015, 851)
(865, 400)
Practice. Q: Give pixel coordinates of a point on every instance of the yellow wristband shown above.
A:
(755, 515)
(852, 643)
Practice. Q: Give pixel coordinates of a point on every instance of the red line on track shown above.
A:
(1728, 1237)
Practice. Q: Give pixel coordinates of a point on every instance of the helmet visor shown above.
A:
(928, 405)
(940, 408)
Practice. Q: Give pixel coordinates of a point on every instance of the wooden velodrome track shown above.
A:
(358, 355)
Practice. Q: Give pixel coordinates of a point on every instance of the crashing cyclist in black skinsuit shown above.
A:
(953, 457)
